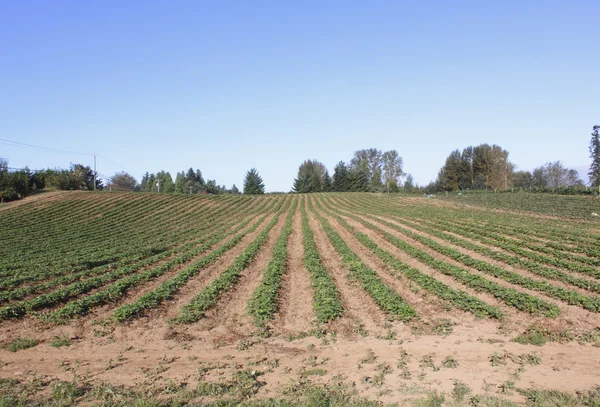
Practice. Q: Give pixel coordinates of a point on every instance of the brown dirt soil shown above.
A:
(296, 300)
(229, 321)
(153, 357)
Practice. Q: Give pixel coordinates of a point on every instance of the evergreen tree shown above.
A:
(341, 178)
(594, 173)
(234, 190)
(359, 179)
(327, 185)
(253, 183)
(311, 177)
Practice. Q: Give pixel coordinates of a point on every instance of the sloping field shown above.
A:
(202, 298)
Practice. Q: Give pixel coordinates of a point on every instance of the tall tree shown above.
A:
(555, 175)
(409, 183)
(392, 168)
(253, 183)
(594, 173)
(311, 177)
(369, 162)
(341, 178)
(122, 181)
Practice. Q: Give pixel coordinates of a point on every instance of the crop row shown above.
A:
(263, 304)
(512, 260)
(521, 301)
(208, 297)
(569, 296)
(458, 298)
(327, 303)
(386, 298)
(168, 288)
(71, 276)
(66, 293)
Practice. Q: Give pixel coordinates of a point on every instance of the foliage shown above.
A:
(253, 183)
(122, 181)
(594, 173)
(20, 344)
(263, 304)
(480, 167)
(312, 177)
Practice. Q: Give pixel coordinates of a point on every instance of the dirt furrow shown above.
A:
(229, 321)
(569, 314)
(522, 271)
(296, 300)
(360, 311)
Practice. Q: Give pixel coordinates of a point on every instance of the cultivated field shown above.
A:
(113, 296)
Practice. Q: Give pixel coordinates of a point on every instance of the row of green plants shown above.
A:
(87, 253)
(521, 301)
(458, 298)
(513, 260)
(208, 297)
(170, 287)
(327, 303)
(386, 298)
(133, 260)
(573, 260)
(179, 239)
(569, 296)
(546, 238)
(115, 290)
(516, 247)
(263, 304)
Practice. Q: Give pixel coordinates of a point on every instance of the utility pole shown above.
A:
(190, 187)
(94, 172)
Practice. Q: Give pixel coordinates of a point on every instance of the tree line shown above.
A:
(483, 167)
(20, 183)
(23, 182)
(369, 170)
(486, 167)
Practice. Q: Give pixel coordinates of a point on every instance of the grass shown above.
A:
(21, 344)
(60, 341)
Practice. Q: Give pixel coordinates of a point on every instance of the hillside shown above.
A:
(201, 297)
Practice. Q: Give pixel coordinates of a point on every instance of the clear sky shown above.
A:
(228, 85)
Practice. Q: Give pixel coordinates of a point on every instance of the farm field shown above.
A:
(106, 297)
(568, 206)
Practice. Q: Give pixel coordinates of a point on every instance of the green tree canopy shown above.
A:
(122, 181)
(312, 177)
(253, 183)
(594, 173)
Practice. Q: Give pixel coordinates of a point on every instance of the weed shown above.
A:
(460, 390)
(450, 363)
(20, 344)
(59, 341)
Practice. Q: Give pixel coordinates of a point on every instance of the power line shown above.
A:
(114, 163)
(38, 148)
(59, 151)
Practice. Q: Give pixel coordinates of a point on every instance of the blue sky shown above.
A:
(229, 85)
